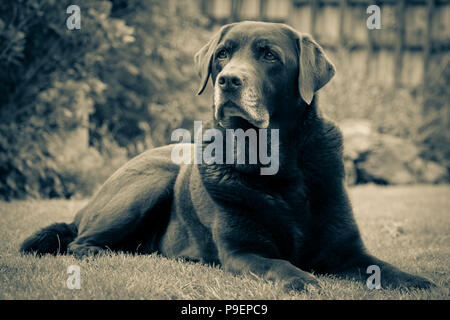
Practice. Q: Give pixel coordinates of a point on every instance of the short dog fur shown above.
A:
(281, 227)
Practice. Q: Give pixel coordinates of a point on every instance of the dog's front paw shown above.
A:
(81, 251)
(405, 280)
(302, 283)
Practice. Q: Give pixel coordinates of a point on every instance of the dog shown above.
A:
(284, 226)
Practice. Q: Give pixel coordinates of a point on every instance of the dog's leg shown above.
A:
(277, 270)
(390, 276)
(241, 251)
(84, 250)
(347, 257)
(113, 220)
(131, 196)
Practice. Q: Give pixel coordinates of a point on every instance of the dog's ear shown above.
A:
(203, 58)
(315, 68)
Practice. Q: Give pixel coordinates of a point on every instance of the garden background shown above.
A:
(76, 104)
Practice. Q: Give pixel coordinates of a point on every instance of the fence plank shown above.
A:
(343, 10)
(400, 14)
(370, 48)
(236, 8)
(314, 7)
(300, 18)
(428, 39)
(263, 9)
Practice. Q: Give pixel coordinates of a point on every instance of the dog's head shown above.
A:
(257, 68)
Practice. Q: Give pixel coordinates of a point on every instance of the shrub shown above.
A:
(120, 84)
(417, 114)
(434, 133)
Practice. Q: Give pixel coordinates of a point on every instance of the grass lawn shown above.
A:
(408, 226)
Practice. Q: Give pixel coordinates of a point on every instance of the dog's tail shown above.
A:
(53, 239)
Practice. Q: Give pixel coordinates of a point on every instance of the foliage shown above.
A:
(350, 95)
(126, 77)
(151, 85)
(435, 131)
(420, 115)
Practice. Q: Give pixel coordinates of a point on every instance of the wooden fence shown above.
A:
(412, 44)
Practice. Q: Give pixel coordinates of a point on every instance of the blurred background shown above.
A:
(77, 104)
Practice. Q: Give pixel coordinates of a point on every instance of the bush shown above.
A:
(75, 104)
(151, 85)
(351, 95)
(434, 133)
(420, 115)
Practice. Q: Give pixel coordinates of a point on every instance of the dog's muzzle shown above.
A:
(233, 99)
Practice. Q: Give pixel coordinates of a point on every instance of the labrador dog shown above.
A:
(284, 226)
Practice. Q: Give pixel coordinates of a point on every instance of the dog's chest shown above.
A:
(278, 212)
(287, 216)
(277, 216)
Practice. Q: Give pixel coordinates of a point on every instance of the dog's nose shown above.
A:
(229, 82)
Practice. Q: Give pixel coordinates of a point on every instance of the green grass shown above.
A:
(406, 226)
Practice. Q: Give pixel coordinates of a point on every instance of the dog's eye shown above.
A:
(222, 54)
(270, 56)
